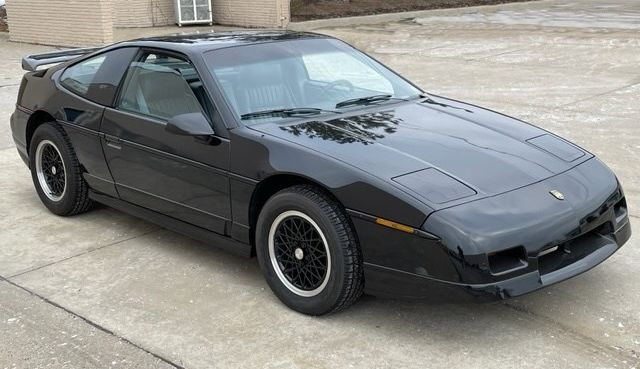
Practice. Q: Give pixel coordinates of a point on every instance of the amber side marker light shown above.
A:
(394, 225)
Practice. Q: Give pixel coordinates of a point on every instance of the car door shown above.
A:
(183, 177)
(85, 88)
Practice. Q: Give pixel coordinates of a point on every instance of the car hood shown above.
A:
(441, 151)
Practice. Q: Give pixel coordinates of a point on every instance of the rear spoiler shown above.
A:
(31, 63)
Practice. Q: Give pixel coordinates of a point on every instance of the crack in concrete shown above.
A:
(621, 355)
(560, 108)
(10, 85)
(33, 269)
(563, 106)
(93, 324)
(496, 104)
(484, 58)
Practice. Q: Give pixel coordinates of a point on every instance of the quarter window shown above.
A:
(97, 78)
(162, 86)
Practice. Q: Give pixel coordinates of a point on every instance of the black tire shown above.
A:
(74, 198)
(343, 279)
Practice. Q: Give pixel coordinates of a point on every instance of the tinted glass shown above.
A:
(312, 73)
(162, 86)
(97, 78)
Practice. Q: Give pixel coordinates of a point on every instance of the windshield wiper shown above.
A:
(289, 112)
(367, 100)
(429, 100)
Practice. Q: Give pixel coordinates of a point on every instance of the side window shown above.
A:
(97, 78)
(162, 86)
(331, 67)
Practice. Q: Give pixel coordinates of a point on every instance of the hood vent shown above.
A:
(557, 147)
(434, 185)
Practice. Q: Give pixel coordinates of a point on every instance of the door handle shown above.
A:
(114, 146)
(112, 141)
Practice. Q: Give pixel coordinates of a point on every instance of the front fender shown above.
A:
(257, 156)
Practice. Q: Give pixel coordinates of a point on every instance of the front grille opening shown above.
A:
(506, 261)
(573, 250)
(620, 210)
(604, 229)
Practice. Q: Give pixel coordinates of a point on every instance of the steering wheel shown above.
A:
(336, 83)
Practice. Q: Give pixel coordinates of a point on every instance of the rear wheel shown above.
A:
(308, 251)
(56, 172)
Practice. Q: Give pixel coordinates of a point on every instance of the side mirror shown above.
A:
(190, 124)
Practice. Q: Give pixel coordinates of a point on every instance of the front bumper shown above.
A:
(559, 239)
(388, 282)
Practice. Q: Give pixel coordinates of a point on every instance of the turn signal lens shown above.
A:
(394, 225)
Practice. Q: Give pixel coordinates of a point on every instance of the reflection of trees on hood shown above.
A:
(363, 128)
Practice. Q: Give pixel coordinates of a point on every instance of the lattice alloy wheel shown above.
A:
(50, 170)
(299, 253)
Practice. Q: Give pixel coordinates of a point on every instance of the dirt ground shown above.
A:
(302, 10)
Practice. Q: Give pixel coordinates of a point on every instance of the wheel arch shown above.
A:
(271, 185)
(37, 118)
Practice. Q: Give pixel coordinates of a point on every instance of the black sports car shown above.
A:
(340, 175)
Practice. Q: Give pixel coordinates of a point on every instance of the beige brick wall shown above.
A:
(61, 22)
(143, 13)
(91, 22)
(251, 13)
(163, 12)
(285, 12)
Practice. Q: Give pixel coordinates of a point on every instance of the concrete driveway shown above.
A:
(104, 289)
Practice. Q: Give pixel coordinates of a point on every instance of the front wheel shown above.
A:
(308, 251)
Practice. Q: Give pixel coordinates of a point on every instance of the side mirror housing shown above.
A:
(189, 124)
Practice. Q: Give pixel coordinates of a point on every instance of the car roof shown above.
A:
(216, 40)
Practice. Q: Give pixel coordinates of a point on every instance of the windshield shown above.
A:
(317, 75)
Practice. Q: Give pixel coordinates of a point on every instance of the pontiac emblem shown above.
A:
(557, 194)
